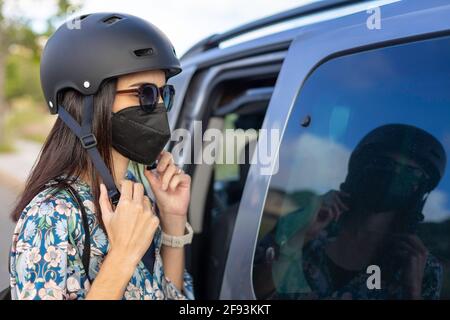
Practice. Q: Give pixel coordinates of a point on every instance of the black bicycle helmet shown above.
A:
(105, 45)
(385, 141)
(101, 46)
(412, 142)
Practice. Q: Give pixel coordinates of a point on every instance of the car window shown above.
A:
(360, 205)
(236, 101)
(229, 177)
(228, 183)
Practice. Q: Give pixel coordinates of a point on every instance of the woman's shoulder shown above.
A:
(51, 217)
(46, 237)
(53, 204)
(433, 278)
(50, 197)
(433, 268)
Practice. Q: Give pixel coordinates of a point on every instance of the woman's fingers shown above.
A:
(148, 209)
(138, 193)
(334, 204)
(147, 205)
(160, 155)
(153, 180)
(413, 242)
(332, 214)
(336, 210)
(404, 246)
(132, 225)
(105, 205)
(409, 250)
(179, 179)
(126, 190)
(165, 160)
(325, 216)
(417, 243)
(167, 176)
(341, 203)
(343, 193)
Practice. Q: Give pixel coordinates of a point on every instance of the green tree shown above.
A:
(12, 32)
(2, 73)
(18, 72)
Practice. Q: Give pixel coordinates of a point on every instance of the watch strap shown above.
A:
(178, 241)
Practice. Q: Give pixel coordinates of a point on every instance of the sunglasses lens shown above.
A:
(148, 97)
(167, 96)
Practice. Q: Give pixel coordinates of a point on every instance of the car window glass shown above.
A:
(360, 206)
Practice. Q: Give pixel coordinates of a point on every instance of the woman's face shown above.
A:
(133, 81)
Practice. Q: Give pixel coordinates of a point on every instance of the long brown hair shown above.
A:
(63, 154)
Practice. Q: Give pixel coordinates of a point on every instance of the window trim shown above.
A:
(401, 23)
(200, 91)
(180, 82)
(197, 90)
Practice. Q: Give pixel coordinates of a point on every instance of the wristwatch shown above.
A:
(178, 241)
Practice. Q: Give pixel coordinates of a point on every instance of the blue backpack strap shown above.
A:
(149, 257)
(86, 255)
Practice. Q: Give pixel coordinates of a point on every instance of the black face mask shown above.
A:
(378, 190)
(380, 184)
(138, 135)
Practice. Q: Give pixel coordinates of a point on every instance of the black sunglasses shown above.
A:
(149, 94)
(389, 164)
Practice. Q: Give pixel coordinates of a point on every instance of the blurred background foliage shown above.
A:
(23, 113)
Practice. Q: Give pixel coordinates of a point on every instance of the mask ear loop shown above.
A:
(418, 215)
(89, 142)
(422, 204)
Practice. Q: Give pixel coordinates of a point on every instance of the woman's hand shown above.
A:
(331, 208)
(132, 225)
(171, 187)
(414, 255)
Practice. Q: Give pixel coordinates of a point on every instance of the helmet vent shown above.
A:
(143, 52)
(112, 19)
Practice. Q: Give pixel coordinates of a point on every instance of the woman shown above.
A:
(85, 228)
(327, 248)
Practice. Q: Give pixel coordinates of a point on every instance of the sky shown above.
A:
(399, 84)
(185, 22)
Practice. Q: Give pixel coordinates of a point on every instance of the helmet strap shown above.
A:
(89, 142)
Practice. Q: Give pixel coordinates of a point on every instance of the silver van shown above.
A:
(324, 76)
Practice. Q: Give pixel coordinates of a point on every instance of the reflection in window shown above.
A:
(365, 184)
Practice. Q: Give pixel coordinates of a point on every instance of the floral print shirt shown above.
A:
(47, 246)
(318, 273)
(309, 276)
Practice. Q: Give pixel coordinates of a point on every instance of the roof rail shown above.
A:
(214, 40)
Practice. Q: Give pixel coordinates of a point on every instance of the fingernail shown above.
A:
(152, 166)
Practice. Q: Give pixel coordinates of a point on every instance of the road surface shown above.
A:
(7, 199)
(14, 170)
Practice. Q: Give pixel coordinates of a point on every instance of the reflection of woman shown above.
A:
(370, 221)
(107, 82)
